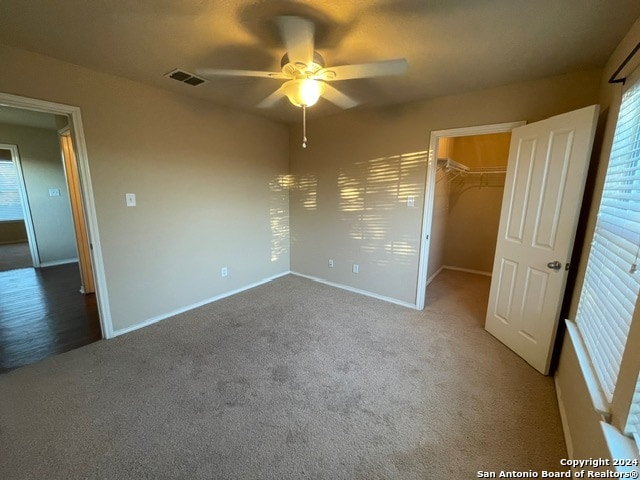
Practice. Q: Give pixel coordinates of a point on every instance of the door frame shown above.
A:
(77, 135)
(24, 201)
(430, 193)
(69, 164)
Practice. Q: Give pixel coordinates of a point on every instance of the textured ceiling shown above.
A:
(452, 46)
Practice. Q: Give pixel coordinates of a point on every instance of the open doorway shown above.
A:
(470, 178)
(36, 196)
(453, 211)
(48, 306)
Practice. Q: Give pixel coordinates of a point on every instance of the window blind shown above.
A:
(10, 205)
(610, 287)
(633, 421)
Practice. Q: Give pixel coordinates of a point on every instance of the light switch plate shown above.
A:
(54, 192)
(411, 201)
(131, 199)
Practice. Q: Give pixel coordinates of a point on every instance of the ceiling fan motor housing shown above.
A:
(297, 70)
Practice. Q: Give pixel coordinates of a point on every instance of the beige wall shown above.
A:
(582, 423)
(207, 182)
(42, 169)
(383, 234)
(477, 151)
(475, 202)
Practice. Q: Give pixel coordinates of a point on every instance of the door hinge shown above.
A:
(566, 267)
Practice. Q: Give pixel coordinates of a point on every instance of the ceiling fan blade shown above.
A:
(338, 98)
(297, 34)
(398, 66)
(272, 99)
(213, 72)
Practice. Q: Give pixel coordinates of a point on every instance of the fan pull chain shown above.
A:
(304, 126)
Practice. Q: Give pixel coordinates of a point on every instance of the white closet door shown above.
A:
(546, 173)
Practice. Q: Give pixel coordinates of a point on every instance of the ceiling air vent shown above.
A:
(185, 77)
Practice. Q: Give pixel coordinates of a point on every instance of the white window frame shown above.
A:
(632, 427)
(612, 278)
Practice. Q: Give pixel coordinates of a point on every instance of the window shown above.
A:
(10, 205)
(633, 422)
(611, 283)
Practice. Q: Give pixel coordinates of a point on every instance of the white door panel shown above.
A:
(548, 163)
(521, 178)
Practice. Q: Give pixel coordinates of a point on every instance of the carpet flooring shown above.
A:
(290, 380)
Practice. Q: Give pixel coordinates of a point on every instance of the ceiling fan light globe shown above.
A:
(303, 91)
(311, 91)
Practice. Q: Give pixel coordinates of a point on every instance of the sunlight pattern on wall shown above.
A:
(305, 189)
(374, 197)
(351, 194)
(279, 216)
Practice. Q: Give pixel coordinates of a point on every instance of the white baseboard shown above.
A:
(356, 290)
(459, 269)
(563, 419)
(432, 277)
(173, 313)
(59, 262)
(468, 270)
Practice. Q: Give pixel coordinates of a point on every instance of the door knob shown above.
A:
(556, 265)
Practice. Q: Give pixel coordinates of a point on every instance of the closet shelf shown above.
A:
(486, 175)
(485, 170)
(451, 165)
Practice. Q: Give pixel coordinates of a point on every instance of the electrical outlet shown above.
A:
(411, 201)
(356, 268)
(224, 272)
(331, 263)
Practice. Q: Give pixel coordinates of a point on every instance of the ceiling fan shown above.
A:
(307, 77)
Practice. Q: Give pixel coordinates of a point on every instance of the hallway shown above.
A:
(43, 313)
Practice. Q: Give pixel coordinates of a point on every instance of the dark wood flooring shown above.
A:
(15, 255)
(43, 313)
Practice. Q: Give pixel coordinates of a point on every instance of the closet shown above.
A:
(468, 196)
